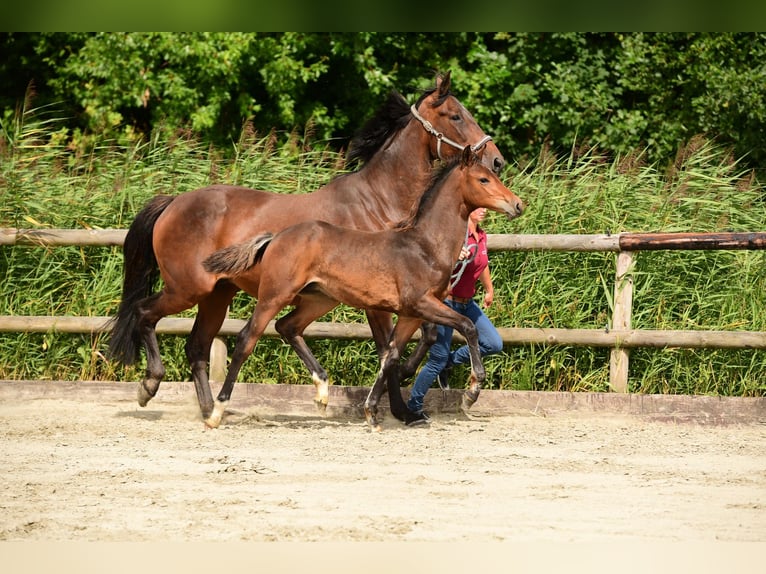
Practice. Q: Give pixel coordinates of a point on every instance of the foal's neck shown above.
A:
(443, 223)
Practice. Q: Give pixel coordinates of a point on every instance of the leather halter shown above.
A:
(440, 137)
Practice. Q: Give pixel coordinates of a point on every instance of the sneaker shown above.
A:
(443, 377)
(419, 418)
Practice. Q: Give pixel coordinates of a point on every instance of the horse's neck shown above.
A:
(386, 189)
(399, 173)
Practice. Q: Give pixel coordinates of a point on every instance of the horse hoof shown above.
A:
(144, 396)
(321, 406)
(215, 418)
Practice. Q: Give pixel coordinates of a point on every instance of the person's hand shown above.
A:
(488, 298)
(465, 253)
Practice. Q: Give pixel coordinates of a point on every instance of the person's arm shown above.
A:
(486, 282)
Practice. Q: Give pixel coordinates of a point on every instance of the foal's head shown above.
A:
(477, 186)
(481, 187)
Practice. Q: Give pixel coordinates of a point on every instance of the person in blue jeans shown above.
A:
(472, 267)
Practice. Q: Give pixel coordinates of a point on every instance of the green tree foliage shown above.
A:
(617, 92)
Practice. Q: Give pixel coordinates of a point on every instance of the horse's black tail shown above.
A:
(141, 274)
(236, 259)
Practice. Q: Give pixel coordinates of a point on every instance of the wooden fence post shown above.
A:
(219, 356)
(623, 308)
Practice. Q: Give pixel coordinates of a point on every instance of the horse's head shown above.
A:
(481, 187)
(452, 127)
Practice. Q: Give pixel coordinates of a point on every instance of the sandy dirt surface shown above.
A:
(107, 470)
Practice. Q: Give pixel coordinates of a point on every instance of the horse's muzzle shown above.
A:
(515, 208)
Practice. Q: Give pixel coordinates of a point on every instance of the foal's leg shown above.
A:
(388, 376)
(389, 361)
(436, 311)
(382, 326)
(427, 339)
(210, 316)
(307, 309)
(246, 341)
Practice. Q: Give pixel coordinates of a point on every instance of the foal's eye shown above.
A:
(484, 180)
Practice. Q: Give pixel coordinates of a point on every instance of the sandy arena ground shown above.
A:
(103, 469)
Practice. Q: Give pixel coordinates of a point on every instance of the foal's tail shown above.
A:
(141, 274)
(236, 259)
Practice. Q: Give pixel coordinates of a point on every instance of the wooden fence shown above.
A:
(620, 338)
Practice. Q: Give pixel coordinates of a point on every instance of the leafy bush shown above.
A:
(615, 91)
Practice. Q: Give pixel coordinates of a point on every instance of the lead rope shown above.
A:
(460, 266)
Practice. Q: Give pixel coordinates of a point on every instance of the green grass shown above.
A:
(45, 184)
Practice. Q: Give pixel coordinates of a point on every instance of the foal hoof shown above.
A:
(321, 406)
(372, 420)
(469, 399)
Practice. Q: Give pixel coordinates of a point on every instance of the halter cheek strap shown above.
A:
(440, 137)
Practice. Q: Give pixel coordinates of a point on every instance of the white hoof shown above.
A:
(215, 418)
(323, 392)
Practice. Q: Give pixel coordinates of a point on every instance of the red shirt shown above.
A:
(466, 286)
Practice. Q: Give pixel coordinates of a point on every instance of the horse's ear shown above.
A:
(468, 157)
(443, 84)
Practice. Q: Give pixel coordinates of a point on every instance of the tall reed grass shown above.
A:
(46, 184)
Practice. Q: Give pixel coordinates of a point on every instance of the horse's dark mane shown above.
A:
(391, 117)
(437, 178)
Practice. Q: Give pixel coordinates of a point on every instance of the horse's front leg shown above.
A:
(389, 362)
(478, 374)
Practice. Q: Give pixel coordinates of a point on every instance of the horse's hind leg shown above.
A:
(210, 316)
(155, 370)
(150, 311)
(291, 327)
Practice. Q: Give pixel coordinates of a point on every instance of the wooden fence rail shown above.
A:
(620, 338)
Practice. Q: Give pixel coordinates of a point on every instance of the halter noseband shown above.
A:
(440, 137)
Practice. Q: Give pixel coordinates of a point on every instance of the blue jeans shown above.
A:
(440, 356)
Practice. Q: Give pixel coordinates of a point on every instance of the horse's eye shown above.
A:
(456, 117)
(484, 180)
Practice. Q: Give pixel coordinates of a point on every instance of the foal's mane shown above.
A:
(437, 179)
(390, 118)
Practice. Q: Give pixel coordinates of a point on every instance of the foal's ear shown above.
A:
(468, 157)
(443, 84)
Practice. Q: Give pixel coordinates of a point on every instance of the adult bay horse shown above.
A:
(172, 236)
(403, 270)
